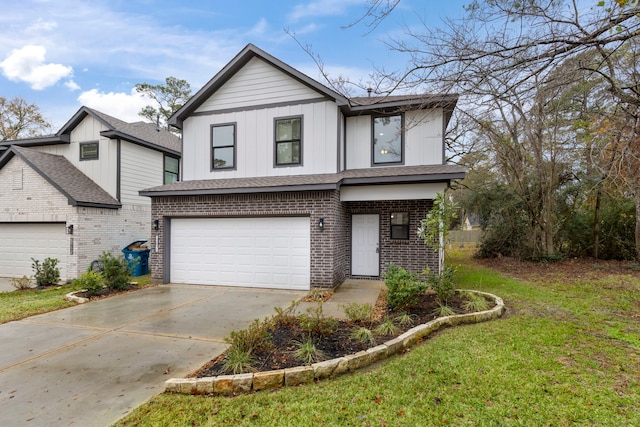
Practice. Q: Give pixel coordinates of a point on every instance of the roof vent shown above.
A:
(369, 90)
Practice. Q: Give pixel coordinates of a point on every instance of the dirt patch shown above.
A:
(568, 270)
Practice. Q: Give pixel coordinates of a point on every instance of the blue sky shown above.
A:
(62, 54)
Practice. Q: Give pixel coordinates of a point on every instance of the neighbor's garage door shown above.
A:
(19, 242)
(256, 252)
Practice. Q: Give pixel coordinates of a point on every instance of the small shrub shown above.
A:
(286, 316)
(256, 336)
(358, 313)
(474, 302)
(115, 271)
(315, 323)
(91, 281)
(364, 335)
(403, 287)
(238, 361)
(307, 352)
(387, 327)
(442, 284)
(22, 283)
(405, 319)
(47, 273)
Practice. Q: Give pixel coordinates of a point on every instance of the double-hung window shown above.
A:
(89, 150)
(223, 146)
(388, 140)
(288, 141)
(400, 225)
(171, 169)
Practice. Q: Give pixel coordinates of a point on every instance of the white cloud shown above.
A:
(70, 84)
(322, 8)
(28, 65)
(120, 105)
(42, 26)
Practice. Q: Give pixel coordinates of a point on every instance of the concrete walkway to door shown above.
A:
(91, 364)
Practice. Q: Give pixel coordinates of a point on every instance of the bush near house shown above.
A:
(47, 273)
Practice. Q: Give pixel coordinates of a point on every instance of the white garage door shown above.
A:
(254, 252)
(21, 242)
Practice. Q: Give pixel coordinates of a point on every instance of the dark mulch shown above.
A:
(338, 343)
(109, 292)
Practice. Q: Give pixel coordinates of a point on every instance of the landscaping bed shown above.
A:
(289, 333)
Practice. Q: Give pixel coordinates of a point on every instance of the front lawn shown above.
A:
(17, 305)
(567, 352)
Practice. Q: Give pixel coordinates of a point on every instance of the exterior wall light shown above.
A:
(321, 224)
(156, 224)
(70, 229)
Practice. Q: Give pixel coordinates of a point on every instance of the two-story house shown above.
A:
(75, 194)
(288, 184)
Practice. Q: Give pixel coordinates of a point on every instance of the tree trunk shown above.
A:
(637, 201)
(596, 226)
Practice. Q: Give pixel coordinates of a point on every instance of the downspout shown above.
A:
(118, 169)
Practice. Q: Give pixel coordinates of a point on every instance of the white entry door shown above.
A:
(365, 245)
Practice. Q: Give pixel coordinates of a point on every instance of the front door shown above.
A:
(365, 245)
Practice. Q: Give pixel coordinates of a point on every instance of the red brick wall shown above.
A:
(330, 248)
(410, 254)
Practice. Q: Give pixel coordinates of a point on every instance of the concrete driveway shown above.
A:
(91, 364)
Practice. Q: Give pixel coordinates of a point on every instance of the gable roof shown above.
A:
(79, 189)
(240, 60)
(140, 133)
(332, 181)
(349, 106)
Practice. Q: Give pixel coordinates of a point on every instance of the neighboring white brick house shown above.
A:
(74, 195)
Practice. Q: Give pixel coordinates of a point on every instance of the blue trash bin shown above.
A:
(137, 256)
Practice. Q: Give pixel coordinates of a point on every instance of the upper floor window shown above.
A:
(223, 146)
(89, 150)
(171, 169)
(288, 140)
(388, 139)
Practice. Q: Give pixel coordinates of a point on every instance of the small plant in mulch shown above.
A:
(111, 278)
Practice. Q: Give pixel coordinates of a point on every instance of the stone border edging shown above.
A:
(244, 383)
(71, 296)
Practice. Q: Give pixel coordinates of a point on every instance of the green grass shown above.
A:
(17, 305)
(563, 354)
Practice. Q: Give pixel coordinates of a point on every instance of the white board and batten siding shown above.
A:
(139, 168)
(269, 252)
(257, 83)
(423, 143)
(255, 141)
(103, 170)
(252, 98)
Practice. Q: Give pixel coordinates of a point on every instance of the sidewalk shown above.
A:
(352, 290)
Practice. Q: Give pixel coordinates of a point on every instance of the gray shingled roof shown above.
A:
(79, 189)
(383, 175)
(143, 131)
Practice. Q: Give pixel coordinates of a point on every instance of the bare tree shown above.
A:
(519, 44)
(19, 119)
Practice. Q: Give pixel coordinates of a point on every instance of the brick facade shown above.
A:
(410, 254)
(330, 247)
